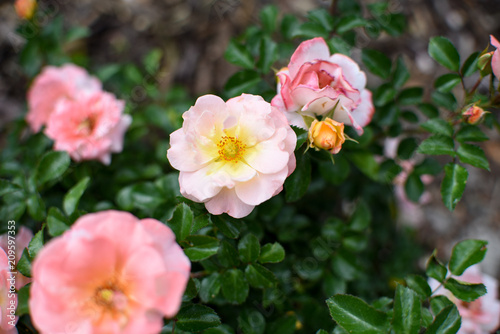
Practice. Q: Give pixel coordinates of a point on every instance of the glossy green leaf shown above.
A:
(289, 26)
(473, 155)
(72, 197)
(377, 62)
(227, 255)
(444, 52)
(384, 94)
(210, 287)
(230, 227)
(57, 223)
(465, 254)
(366, 163)
(445, 100)
(7, 187)
(201, 247)
(447, 82)
(234, 286)
(401, 73)
(23, 296)
(195, 318)
(24, 264)
(268, 52)
(439, 302)
(361, 218)
(428, 110)
(407, 311)
(429, 166)
(338, 45)
(52, 165)
(350, 22)
(414, 187)
(260, 277)
(322, 17)
(36, 207)
(249, 248)
(470, 65)
(470, 133)
(36, 243)
(241, 82)
(419, 285)
(238, 55)
(465, 291)
(251, 321)
(437, 145)
(406, 148)
(453, 184)
(356, 316)
(438, 126)
(436, 269)
(308, 30)
(181, 222)
(297, 183)
(272, 253)
(410, 96)
(446, 322)
(268, 17)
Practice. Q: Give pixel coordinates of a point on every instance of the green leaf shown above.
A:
(445, 100)
(470, 133)
(338, 45)
(24, 264)
(181, 222)
(230, 227)
(72, 197)
(410, 96)
(361, 218)
(268, 17)
(447, 82)
(453, 184)
(56, 222)
(36, 207)
(283, 325)
(335, 173)
(401, 74)
(419, 285)
(200, 222)
(145, 196)
(366, 163)
(350, 22)
(227, 255)
(260, 277)
(470, 65)
(222, 329)
(51, 166)
(438, 126)
(23, 296)
(429, 166)
(376, 62)
(272, 253)
(448, 321)
(356, 316)
(465, 254)
(268, 52)
(241, 82)
(322, 17)
(251, 321)
(234, 286)
(437, 145)
(311, 30)
(7, 187)
(210, 287)
(384, 94)
(406, 148)
(473, 155)
(414, 187)
(297, 183)
(195, 318)
(249, 248)
(238, 55)
(436, 269)
(429, 110)
(444, 52)
(168, 185)
(465, 291)
(407, 311)
(439, 302)
(36, 243)
(289, 26)
(201, 247)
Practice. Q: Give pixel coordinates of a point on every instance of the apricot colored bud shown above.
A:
(327, 135)
(25, 8)
(473, 114)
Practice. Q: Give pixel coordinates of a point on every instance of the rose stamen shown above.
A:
(230, 149)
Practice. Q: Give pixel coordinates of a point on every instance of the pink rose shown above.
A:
(53, 84)
(22, 238)
(495, 60)
(232, 155)
(110, 273)
(481, 316)
(89, 128)
(316, 82)
(8, 298)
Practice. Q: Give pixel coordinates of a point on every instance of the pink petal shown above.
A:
(308, 51)
(261, 188)
(363, 114)
(351, 71)
(268, 156)
(226, 201)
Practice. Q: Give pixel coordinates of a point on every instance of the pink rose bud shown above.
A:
(315, 83)
(89, 128)
(110, 273)
(53, 84)
(326, 135)
(232, 155)
(495, 59)
(473, 114)
(25, 8)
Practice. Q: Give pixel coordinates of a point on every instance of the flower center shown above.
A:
(87, 126)
(230, 149)
(111, 301)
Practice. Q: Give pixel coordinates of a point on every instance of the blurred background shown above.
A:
(193, 34)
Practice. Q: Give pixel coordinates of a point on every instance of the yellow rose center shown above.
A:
(230, 149)
(87, 126)
(110, 299)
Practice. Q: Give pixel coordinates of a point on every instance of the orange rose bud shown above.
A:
(473, 114)
(25, 8)
(327, 135)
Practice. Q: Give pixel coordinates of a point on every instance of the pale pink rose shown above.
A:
(110, 273)
(495, 60)
(232, 155)
(8, 297)
(481, 316)
(53, 84)
(89, 128)
(316, 82)
(22, 238)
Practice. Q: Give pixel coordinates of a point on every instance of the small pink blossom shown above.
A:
(25, 8)
(232, 155)
(110, 273)
(54, 84)
(8, 297)
(495, 60)
(89, 128)
(316, 82)
(481, 316)
(22, 240)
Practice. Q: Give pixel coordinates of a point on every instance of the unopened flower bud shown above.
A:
(473, 114)
(327, 135)
(25, 8)
(484, 61)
